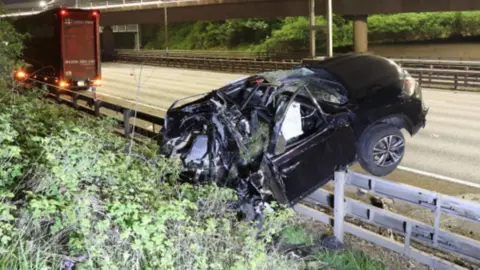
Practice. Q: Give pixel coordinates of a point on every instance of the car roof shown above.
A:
(361, 74)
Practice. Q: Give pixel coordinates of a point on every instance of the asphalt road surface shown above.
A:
(449, 146)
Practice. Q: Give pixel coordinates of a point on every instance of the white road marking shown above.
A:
(440, 177)
(436, 101)
(132, 101)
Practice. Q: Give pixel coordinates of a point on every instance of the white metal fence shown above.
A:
(413, 231)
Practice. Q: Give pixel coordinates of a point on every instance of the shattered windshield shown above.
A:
(318, 82)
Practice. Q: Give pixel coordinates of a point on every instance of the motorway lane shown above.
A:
(450, 143)
(159, 86)
(448, 146)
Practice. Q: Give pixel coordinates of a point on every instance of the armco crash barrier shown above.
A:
(413, 231)
(429, 73)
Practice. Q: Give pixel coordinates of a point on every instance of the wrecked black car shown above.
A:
(281, 135)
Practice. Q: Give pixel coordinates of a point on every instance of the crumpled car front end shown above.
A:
(218, 142)
(191, 133)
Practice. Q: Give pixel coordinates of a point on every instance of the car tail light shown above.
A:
(97, 82)
(63, 84)
(409, 85)
(63, 12)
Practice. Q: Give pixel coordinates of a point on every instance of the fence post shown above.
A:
(75, 100)
(339, 204)
(126, 122)
(97, 104)
(455, 86)
(57, 96)
(336, 241)
(408, 234)
(438, 214)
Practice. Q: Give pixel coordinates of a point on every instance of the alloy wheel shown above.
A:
(389, 150)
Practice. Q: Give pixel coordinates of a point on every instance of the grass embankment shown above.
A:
(70, 194)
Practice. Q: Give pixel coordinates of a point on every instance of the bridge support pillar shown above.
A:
(311, 12)
(138, 38)
(108, 44)
(360, 33)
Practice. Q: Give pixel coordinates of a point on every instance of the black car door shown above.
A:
(308, 146)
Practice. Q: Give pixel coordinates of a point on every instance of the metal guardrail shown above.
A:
(95, 105)
(433, 76)
(454, 79)
(231, 55)
(413, 231)
(225, 65)
(438, 64)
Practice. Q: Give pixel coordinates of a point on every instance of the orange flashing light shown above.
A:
(63, 84)
(21, 74)
(97, 82)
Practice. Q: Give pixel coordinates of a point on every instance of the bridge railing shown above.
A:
(124, 3)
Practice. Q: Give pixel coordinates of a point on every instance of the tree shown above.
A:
(11, 45)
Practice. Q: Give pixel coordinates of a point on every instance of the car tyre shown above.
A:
(381, 149)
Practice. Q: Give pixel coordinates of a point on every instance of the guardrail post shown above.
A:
(438, 214)
(339, 204)
(408, 234)
(75, 100)
(97, 104)
(455, 82)
(126, 122)
(57, 96)
(339, 212)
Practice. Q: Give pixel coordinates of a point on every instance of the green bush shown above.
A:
(11, 45)
(70, 191)
(291, 34)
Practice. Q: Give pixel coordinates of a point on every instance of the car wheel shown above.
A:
(381, 149)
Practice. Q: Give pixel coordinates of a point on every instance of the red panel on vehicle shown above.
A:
(79, 49)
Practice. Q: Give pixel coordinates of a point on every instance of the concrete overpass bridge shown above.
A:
(123, 12)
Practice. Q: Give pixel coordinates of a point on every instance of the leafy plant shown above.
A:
(11, 45)
(291, 34)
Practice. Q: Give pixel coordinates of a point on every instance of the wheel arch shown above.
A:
(399, 120)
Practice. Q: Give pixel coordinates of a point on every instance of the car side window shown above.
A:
(328, 92)
(301, 121)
